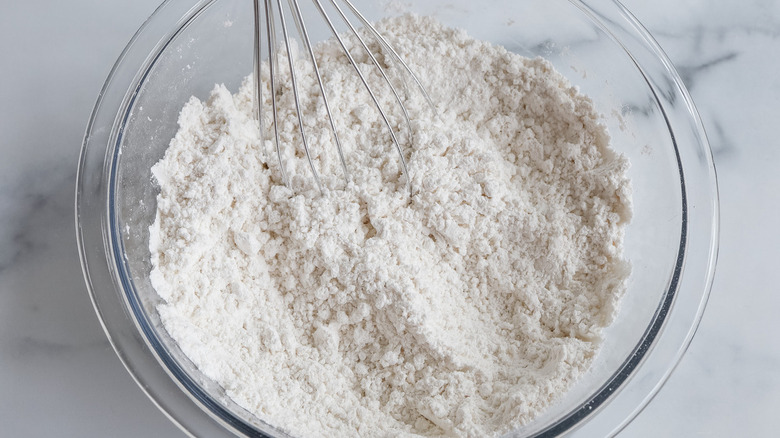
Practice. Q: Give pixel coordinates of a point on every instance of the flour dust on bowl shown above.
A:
(472, 306)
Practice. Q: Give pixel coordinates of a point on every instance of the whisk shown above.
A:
(265, 13)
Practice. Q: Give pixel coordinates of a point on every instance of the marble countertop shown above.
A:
(60, 377)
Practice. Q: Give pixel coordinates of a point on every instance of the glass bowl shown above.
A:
(187, 46)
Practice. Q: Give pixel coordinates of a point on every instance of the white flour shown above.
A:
(463, 312)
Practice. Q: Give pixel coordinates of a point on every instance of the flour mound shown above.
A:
(464, 310)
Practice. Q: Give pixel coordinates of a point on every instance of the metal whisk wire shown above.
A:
(270, 8)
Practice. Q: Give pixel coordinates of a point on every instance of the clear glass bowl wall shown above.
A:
(188, 46)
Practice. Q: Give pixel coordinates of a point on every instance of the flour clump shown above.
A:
(463, 310)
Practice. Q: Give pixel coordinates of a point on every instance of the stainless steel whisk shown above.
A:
(265, 13)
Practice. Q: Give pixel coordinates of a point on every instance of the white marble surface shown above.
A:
(59, 376)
